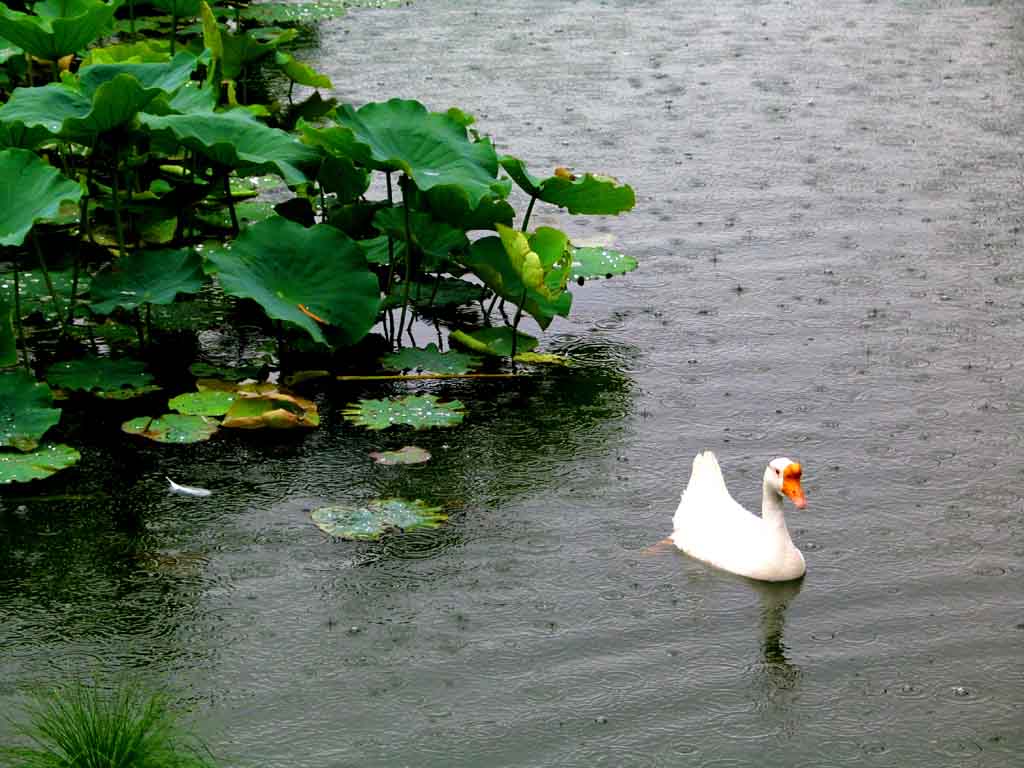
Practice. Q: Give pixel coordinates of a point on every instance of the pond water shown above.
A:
(829, 229)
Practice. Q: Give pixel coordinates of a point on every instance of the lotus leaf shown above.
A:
(409, 454)
(127, 393)
(140, 52)
(300, 73)
(172, 428)
(99, 373)
(26, 411)
(29, 190)
(244, 49)
(228, 373)
(40, 463)
(429, 359)
(339, 177)
(253, 388)
(432, 148)
(417, 411)
(589, 263)
(19, 135)
(35, 294)
(209, 402)
(305, 276)
(274, 410)
(166, 76)
(237, 140)
(542, 358)
(435, 240)
(589, 194)
(496, 342)
(146, 277)
(377, 518)
(514, 267)
(376, 252)
(448, 205)
(307, 11)
(51, 35)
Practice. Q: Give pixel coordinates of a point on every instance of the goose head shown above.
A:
(783, 477)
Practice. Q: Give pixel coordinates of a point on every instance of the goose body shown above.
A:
(711, 526)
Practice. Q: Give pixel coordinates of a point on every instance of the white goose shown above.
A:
(710, 526)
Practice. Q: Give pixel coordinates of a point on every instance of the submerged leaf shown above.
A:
(40, 463)
(26, 411)
(376, 518)
(172, 428)
(409, 454)
(417, 411)
(429, 359)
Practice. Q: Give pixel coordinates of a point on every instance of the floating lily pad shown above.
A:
(589, 263)
(542, 358)
(493, 341)
(40, 463)
(26, 411)
(417, 411)
(100, 374)
(429, 359)
(225, 372)
(376, 518)
(207, 403)
(409, 454)
(172, 428)
(275, 410)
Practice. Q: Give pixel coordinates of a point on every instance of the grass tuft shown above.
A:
(84, 727)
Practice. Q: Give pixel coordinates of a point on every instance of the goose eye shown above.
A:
(776, 470)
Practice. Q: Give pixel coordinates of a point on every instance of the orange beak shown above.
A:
(791, 485)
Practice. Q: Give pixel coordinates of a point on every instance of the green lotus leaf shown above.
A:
(429, 359)
(89, 374)
(514, 266)
(589, 263)
(432, 148)
(340, 177)
(376, 252)
(251, 46)
(305, 276)
(172, 428)
(590, 194)
(274, 410)
(146, 277)
(409, 454)
(126, 393)
(53, 35)
(166, 76)
(300, 73)
(447, 204)
(307, 11)
(206, 403)
(29, 190)
(376, 518)
(26, 411)
(227, 373)
(436, 241)
(446, 292)
(237, 140)
(36, 465)
(496, 342)
(140, 52)
(18, 135)
(417, 411)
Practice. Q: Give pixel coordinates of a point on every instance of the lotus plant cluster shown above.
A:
(132, 149)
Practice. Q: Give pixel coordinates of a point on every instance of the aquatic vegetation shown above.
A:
(134, 179)
(377, 518)
(409, 454)
(417, 411)
(86, 727)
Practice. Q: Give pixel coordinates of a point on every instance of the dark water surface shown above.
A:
(829, 226)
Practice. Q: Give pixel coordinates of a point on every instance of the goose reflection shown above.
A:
(773, 672)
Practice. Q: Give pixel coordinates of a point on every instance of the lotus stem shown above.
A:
(117, 201)
(487, 314)
(74, 289)
(17, 315)
(405, 182)
(391, 242)
(149, 322)
(515, 327)
(529, 210)
(231, 204)
(49, 282)
(138, 329)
